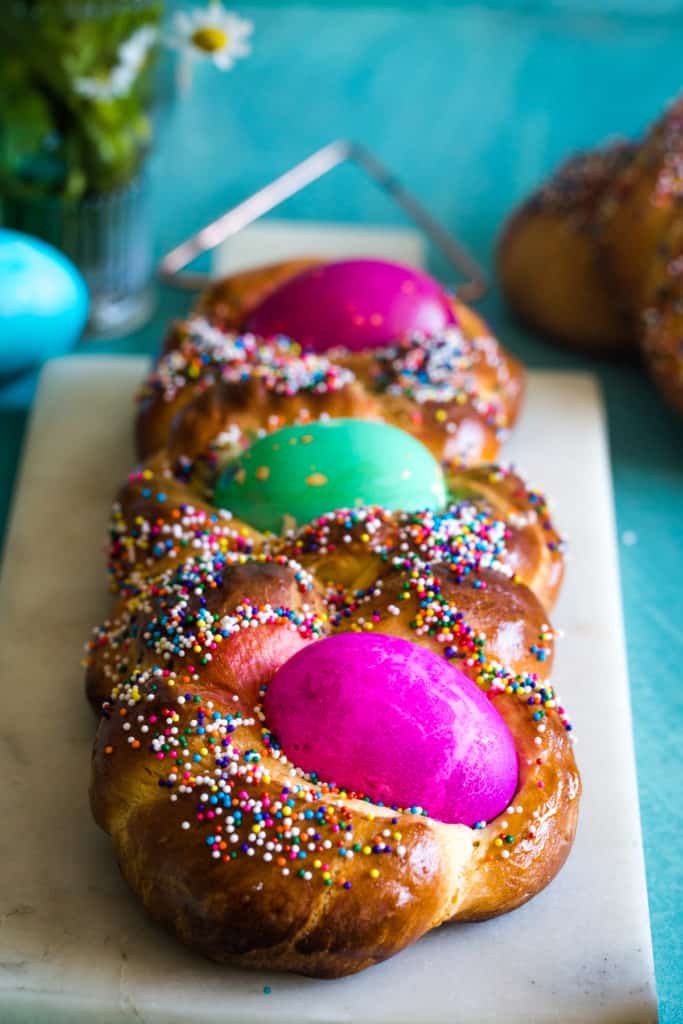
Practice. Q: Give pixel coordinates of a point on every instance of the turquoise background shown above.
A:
(471, 105)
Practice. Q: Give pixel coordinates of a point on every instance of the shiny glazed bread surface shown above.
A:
(204, 387)
(209, 820)
(593, 258)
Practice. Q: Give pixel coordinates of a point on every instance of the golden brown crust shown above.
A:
(641, 203)
(355, 550)
(163, 513)
(249, 406)
(662, 342)
(345, 913)
(244, 913)
(227, 843)
(206, 383)
(550, 265)
(507, 614)
(174, 699)
(537, 832)
(159, 520)
(534, 546)
(594, 257)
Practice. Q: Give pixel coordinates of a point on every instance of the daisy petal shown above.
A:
(223, 60)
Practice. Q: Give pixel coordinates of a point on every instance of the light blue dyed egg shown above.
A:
(43, 302)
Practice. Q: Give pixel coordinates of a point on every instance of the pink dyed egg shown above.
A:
(356, 303)
(390, 719)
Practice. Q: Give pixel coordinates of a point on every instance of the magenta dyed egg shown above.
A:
(387, 718)
(355, 303)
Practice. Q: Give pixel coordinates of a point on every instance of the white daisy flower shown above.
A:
(130, 58)
(213, 33)
(133, 52)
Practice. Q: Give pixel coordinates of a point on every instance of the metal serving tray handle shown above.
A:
(172, 266)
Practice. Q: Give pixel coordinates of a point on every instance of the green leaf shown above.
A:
(52, 139)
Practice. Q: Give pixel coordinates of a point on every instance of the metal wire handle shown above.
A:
(172, 266)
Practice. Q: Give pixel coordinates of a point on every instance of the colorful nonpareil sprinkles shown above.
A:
(464, 538)
(139, 543)
(441, 368)
(245, 807)
(438, 617)
(171, 616)
(529, 507)
(207, 355)
(173, 563)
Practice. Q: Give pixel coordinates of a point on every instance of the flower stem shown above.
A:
(183, 72)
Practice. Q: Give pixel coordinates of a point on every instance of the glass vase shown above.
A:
(108, 237)
(75, 129)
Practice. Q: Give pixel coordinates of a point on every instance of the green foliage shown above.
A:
(56, 139)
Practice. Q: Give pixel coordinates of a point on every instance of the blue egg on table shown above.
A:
(43, 302)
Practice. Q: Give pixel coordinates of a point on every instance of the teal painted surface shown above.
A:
(471, 106)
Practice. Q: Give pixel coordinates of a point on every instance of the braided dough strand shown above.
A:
(594, 256)
(458, 392)
(209, 820)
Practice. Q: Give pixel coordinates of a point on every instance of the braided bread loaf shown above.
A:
(457, 390)
(224, 839)
(594, 257)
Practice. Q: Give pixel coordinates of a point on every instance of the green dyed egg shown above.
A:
(303, 472)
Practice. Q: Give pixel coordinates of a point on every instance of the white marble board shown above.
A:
(75, 945)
